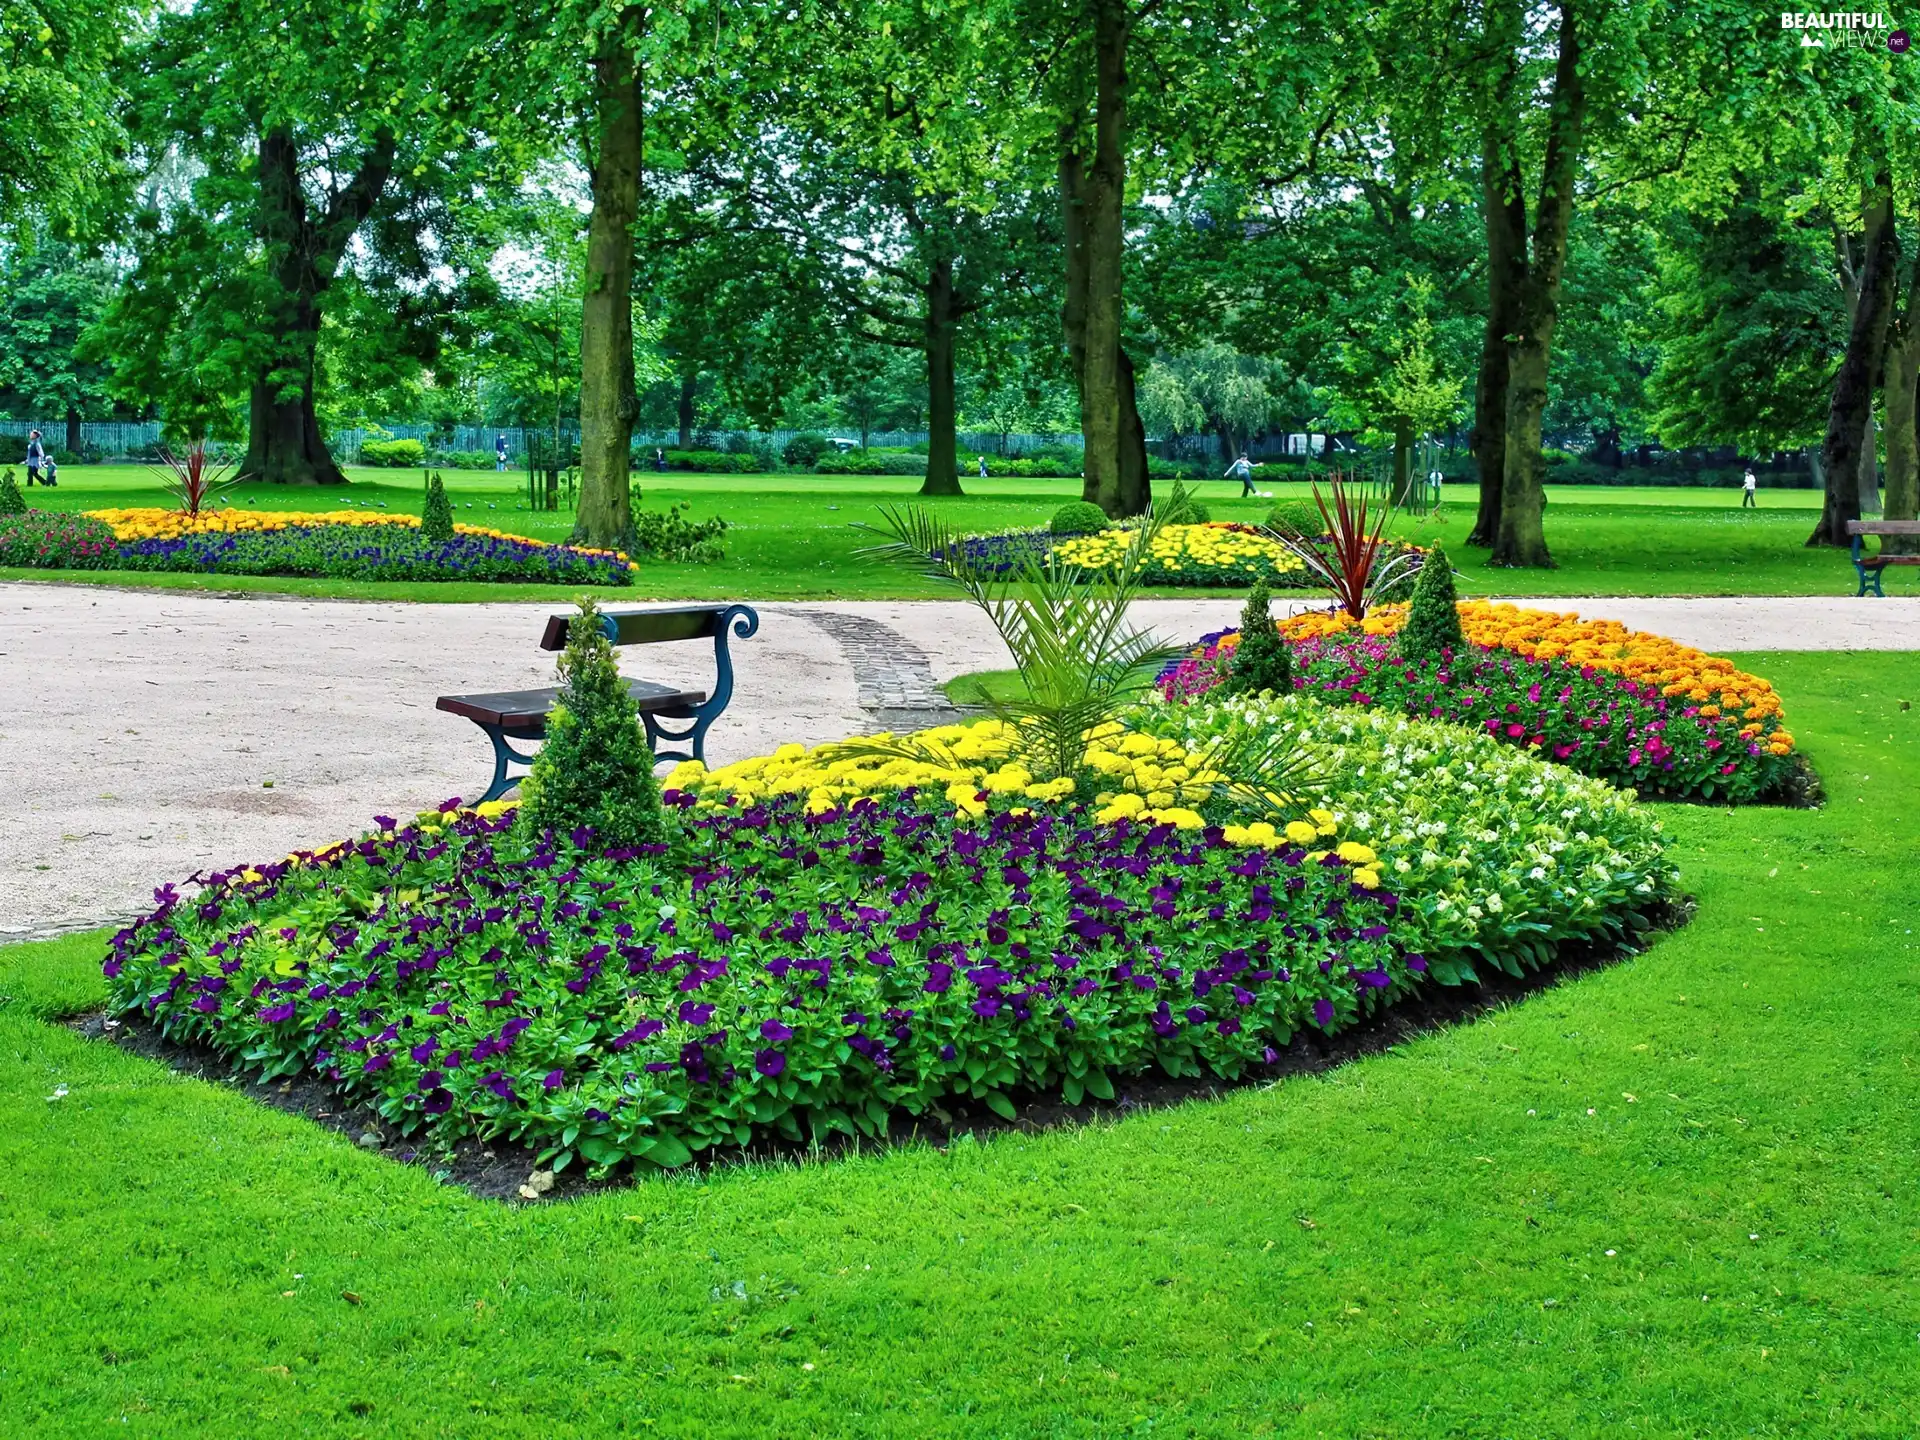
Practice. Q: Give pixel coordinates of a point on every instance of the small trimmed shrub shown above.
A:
(1263, 661)
(899, 463)
(461, 459)
(12, 502)
(709, 462)
(1433, 615)
(596, 771)
(1296, 517)
(854, 462)
(669, 535)
(1082, 517)
(393, 454)
(436, 515)
(803, 450)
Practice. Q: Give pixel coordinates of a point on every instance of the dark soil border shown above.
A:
(498, 1170)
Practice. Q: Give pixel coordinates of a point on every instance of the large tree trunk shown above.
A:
(1402, 459)
(284, 445)
(943, 460)
(1522, 539)
(1903, 405)
(73, 429)
(688, 384)
(1092, 192)
(1505, 210)
(608, 402)
(1851, 413)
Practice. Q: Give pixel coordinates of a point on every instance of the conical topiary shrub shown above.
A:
(595, 769)
(436, 516)
(1263, 660)
(12, 502)
(1433, 615)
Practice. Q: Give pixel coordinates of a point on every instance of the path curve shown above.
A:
(141, 728)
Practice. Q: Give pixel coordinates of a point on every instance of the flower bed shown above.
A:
(794, 963)
(1212, 554)
(1624, 706)
(343, 544)
(54, 540)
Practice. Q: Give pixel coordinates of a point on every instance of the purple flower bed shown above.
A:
(998, 554)
(371, 552)
(1594, 721)
(774, 974)
(55, 540)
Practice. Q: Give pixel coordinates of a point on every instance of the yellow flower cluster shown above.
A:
(1677, 671)
(157, 523)
(1196, 548)
(1155, 780)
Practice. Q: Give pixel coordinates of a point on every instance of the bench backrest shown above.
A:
(644, 627)
(1883, 527)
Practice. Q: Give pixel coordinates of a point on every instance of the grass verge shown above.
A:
(1669, 1197)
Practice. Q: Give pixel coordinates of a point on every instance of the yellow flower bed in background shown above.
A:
(1677, 671)
(1183, 548)
(157, 523)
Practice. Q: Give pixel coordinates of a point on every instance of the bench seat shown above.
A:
(524, 712)
(1870, 567)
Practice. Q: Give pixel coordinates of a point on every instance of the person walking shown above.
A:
(1747, 487)
(50, 477)
(36, 457)
(983, 467)
(1242, 470)
(499, 453)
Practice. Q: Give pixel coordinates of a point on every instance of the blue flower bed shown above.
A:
(369, 552)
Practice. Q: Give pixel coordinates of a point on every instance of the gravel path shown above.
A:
(150, 734)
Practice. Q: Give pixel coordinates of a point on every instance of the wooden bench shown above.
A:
(1874, 566)
(522, 714)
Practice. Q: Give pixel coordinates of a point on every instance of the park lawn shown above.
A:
(794, 536)
(1671, 1197)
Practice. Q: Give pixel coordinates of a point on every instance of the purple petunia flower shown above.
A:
(554, 1080)
(773, 1030)
(1323, 1013)
(274, 1014)
(692, 1014)
(769, 1062)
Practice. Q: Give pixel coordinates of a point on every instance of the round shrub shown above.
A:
(1082, 517)
(394, 454)
(1296, 517)
(803, 450)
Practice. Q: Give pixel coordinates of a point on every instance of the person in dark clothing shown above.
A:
(36, 457)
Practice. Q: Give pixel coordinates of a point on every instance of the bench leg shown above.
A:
(503, 756)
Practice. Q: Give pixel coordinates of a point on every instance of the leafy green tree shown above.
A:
(60, 143)
(49, 296)
(315, 150)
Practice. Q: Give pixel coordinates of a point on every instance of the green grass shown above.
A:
(1671, 1198)
(790, 542)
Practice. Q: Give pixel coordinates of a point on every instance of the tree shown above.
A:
(313, 151)
(48, 298)
(61, 141)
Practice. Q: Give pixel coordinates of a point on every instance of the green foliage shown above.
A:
(669, 535)
(1433, 615)
(1263, 660)
(436, 515)
(1181, 508)
(12, 502)
(709, 462)
(55, 540)
(1296, 517)
(803, 449)
(1079, 518)
(392, 454)
(462, 459)
(595, 769)
(853, 462)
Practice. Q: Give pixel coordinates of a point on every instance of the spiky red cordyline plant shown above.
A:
(1347, 559)
(190, 479)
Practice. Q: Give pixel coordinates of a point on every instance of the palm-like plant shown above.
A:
(1348, 558)
(1083, 662)
(192, 479)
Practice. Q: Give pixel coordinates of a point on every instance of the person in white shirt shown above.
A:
(1242, 470)
(1747, 487)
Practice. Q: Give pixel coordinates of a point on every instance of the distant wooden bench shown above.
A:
(522, 714)
(1872, 567)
